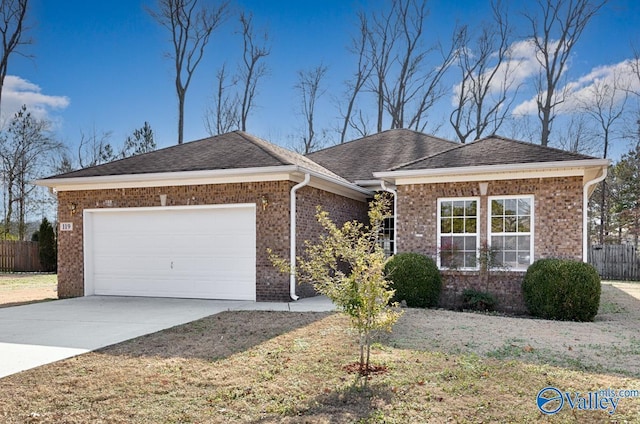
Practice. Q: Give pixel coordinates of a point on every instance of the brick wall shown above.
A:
(341, 210)
(558, 225)
(505, 286)
(272, 223)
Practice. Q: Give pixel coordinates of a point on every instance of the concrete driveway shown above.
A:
(41, 333)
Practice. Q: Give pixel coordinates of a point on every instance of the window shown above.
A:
(511, 231)
(458, 233)
(387, 236)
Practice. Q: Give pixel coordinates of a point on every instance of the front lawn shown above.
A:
(289, 367)
(21, 288)
(26, 281)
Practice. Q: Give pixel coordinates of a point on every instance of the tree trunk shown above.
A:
(603, 212)
(546, 130)
(180, 117)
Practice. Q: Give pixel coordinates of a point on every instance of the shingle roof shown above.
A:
(359, 159)
(233, 150)
(493, 150)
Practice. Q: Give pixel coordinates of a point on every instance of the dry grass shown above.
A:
(19, 289)
(272, 367)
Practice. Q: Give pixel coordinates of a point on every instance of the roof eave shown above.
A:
(218, 176)
(573, 167)
(167, 178)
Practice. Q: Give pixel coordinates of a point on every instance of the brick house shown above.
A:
(195, 220)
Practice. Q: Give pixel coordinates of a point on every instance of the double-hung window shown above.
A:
(511, 231)
(458, 232)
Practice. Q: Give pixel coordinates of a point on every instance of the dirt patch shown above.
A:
(20, 289)
(609, 344)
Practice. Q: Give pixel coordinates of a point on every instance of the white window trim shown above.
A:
(531, 233)
(439, 235)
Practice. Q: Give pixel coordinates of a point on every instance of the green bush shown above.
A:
(562, 289)
(415, 278)
(478, 300)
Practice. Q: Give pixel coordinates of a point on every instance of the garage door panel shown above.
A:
(199, 253)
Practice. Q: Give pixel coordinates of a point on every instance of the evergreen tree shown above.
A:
(47, 246)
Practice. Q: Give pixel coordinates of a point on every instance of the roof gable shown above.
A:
(492, 150)
(359, 159)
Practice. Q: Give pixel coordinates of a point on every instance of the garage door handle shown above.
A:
(171, 264)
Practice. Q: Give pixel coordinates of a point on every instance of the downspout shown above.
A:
(292, 237)
(395, 212)
(585, 214)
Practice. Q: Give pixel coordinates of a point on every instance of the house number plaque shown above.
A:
(66, 226)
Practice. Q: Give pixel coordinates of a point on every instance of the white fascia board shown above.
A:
(162, 179)
(218, 176)
(493, 172)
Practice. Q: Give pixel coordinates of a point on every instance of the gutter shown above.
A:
(292, 236)
(395, 212)
(585, 213)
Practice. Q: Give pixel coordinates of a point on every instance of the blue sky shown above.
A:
(100, 64)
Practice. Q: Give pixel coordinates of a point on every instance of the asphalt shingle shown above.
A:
(493, 150)
(359, 159)
(233, 150)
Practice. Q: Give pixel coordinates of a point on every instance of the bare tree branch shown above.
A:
(555, 30)
(358, 81)
(310, 89)
(12, 16)
(482, 101)
(191, 28)
(23, 151)
(252, 71)
(225, 115)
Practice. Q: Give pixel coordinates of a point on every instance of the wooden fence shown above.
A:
(616, 261)
(19, 256)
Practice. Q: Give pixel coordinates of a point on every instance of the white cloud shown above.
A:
(599, 82)
(519, 66)
(17, 91)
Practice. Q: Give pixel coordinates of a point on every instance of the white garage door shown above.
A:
(192, 252)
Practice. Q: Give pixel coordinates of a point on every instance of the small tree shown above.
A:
(346, 264)
(47, 246)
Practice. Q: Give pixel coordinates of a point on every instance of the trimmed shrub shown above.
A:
(562, 289)
(478, 301)
(415, 278)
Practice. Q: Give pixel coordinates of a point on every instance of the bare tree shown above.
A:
(555, 30)
(406, 80)
(357, 83)
(95, 148)
(224, 116)
(605, 104)
(310, 89)
(12, 15)
(253, 69)
(382, 37)
(191, 28)
(23, 152)
(482, 102)
(578, 136)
